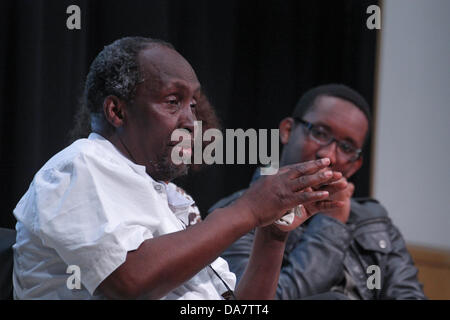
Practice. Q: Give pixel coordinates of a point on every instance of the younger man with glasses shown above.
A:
(354, 250)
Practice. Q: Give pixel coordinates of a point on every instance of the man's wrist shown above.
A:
(242, 209)
(272, 232)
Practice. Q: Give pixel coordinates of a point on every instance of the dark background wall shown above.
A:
(255, 59)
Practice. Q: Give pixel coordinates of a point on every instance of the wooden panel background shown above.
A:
(434, 270)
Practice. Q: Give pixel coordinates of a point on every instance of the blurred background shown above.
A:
(255, 59)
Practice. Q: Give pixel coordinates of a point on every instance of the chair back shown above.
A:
(7, 239)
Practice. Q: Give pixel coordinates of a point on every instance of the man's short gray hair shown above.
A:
(115, 71)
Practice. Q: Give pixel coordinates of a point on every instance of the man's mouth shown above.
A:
(182, 149)
(186, 151)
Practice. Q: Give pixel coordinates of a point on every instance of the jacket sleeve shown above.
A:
(238, 254)
(400, 280)
(315, 262)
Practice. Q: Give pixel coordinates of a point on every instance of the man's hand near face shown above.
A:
(273, 195)
(340, 192)
(267, 200)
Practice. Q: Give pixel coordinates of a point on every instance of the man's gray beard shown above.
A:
(165, 170)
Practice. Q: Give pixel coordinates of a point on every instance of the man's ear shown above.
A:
(114, 110)
(286, 126)
(355, 166)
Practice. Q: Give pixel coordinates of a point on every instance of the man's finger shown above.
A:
(329, 205)
(336, 186)
(315, 179)
(314, 196)
(351, 189)
(309, 167)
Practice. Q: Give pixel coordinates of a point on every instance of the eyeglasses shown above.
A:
(324, 137)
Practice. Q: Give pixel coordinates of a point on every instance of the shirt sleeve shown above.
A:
(221, 267)
(92, 212)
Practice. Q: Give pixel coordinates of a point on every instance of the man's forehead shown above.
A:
(339, 114)
(160, 63)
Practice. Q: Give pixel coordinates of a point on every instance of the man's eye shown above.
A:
(173, 100)
(320, 134)
(346, 147)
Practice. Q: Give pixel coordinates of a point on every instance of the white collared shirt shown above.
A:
(87, 207)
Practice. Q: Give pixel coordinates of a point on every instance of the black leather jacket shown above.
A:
(326, 255)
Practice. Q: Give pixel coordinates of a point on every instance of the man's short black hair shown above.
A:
(332, 90)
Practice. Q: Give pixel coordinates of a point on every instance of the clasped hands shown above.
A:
(310, 184)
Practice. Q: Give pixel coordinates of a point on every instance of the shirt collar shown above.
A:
(176, 199)
(107, 144)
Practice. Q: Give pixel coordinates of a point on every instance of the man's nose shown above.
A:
(187, 118)
(328, 151)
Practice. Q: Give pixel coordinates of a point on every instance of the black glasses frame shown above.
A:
(310, 126)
